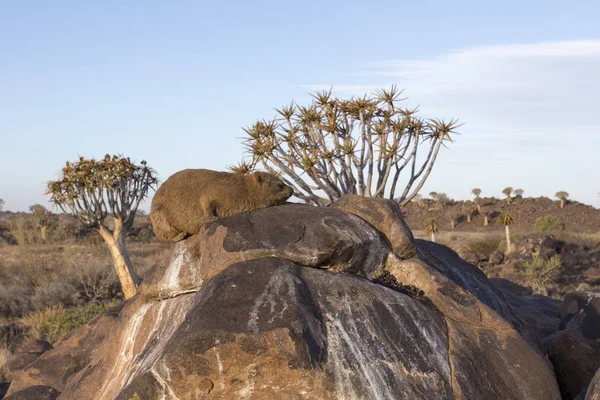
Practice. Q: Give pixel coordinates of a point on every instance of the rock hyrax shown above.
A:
(192, 198)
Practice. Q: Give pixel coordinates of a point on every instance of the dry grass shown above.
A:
(53, 323)
(37, 276)
(4, 356)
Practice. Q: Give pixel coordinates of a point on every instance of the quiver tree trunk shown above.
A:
(115, 241)
(508, 244)
(43, 235)
(469, 217)
(453, 223)
(433, 237)
(562, 203)
(486, 221)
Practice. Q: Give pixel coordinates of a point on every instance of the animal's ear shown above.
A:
(258, 176)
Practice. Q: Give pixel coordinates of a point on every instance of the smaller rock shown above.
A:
(28, 353)
(496, 257)
(35, 393)
(581, 312)
(546, 254)
(511, 271)
(550, 242)
(575, 359)
(385, 216)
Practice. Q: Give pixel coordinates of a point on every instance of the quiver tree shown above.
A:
(506, 219)
(477, 192)
(467, 210)
(1, 204)
(454, 217)
(519, 192)
(507, 192)
(43, 218)
(563, 197)
(486, 216)
(92, 190)
(361, 146)
(431, 227)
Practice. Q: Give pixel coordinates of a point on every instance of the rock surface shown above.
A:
(280, 303)
(593, 390)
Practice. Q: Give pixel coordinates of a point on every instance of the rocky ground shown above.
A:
(340, 302)
(577, 217)
(318, 303)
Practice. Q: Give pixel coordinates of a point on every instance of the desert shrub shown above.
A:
(15, 301)
(53, 323)
(97, 281)
(485, 244)
(542, 275)
(145, 235)
(53, 293)
(548, 223)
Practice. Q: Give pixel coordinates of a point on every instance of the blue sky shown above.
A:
(174, 82)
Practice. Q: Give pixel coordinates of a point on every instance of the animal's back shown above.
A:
(181, 197)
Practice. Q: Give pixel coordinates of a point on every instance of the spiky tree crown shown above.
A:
(91, 189)
(476, 192)
(506, 218)
(507, 191)
(562, 195)
(42, 215)
(335, 146)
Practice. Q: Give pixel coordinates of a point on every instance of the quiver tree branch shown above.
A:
(359, 146)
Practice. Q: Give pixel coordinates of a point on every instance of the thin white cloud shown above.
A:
(534, 103)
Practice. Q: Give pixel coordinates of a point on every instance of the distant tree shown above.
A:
(519, 192)
(477, 192)
(44, 219)
(2, 202)
(563, 196)
(506, 219)
(507, 192)
(357, 146)
(94, 189)
(467, 210)
(431, 227)
(441, 198)
(454, 216)
(486, 216)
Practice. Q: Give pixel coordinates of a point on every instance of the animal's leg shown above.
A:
(163, 228)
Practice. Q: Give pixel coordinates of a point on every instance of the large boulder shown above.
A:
(298, 302)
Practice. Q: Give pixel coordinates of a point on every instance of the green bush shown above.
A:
(53, 323)
(542, 274)
(548, 223)
(145, 235)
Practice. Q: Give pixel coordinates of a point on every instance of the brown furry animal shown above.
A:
(192, 198)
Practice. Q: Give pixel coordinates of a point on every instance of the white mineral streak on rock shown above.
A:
(360, 361)
(219, 364)
(171, 278)
(125, 352)
(271, 296)
(165, 317)
(167, 392)
(247, 391)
